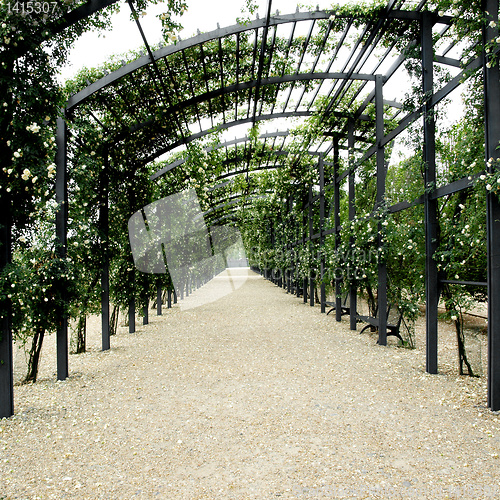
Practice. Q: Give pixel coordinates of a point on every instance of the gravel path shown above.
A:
(253, 396)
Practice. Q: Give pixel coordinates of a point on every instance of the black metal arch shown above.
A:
(235, 142)
(224, 126)
(164, 52)
(233, 201)
(262, 78)
(251, 85)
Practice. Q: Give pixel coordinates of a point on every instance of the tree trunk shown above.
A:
(81, 335)
(448, 296)
(34, 355)
(372, 305)
(462, 355)
(113, 323)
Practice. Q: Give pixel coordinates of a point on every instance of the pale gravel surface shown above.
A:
(254, 396)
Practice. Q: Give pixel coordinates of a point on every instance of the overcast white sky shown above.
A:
(91, 50)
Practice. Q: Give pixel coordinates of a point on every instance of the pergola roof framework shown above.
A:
(231, 82)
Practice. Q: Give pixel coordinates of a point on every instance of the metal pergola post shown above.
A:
(6, 363)
(430, 205)
(336, 217)
(353, 293)
(273, 244)
(131, 315)
(131, 308)
(492, 140)
(145, 309)
(288, 248)
(321, 167)
(305, 227)
(158, 298)
(296, 226)
(104, 229)
(381, 177)
(311, 245)
(61, 239)
(286, 245)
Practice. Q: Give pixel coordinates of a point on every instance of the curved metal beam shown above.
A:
(221, 145)
(204, 133)
(234, 200)
(163, 52)
(46, 32)
(79, 14)
(207, 96)
(231, 216)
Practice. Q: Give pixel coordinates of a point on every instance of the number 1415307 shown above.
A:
(27, 8)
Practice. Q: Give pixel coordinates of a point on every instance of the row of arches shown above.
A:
(274, 70)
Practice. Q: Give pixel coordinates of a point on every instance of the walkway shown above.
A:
(254, 396)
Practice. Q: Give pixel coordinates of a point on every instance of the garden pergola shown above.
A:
(245, 74)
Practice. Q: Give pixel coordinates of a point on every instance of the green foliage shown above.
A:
(32, 49)
(40, 286)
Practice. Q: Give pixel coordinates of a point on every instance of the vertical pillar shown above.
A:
(296, 277)
(169, 298)
(273, 244)
(430, 205)
(61, 240)
(104, 229)
(145, 310)
(131, 315)
(158, 298)
(353, 294)
(321, 167)
(6, 364)
(131, 306)
(492, 129)
(311, 245)
(381, 176)
(293, 223)
(336, 217)
(286, 254)
(305, 283)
